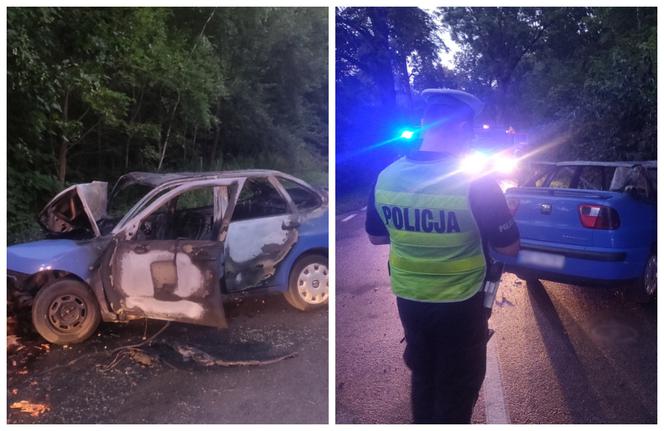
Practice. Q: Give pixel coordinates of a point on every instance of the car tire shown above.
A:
(308, 286)
(65, 312)
(646, 287)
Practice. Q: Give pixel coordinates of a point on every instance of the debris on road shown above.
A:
(133, 352)
(34, 409)
(139, 356)
(13, 343)
(207, 360)
(143, 358)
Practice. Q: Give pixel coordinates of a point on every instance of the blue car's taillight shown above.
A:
(598, 216)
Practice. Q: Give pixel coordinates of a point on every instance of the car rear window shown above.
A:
(595, 178)
(302, 197)
(562, 178)
(535, 174)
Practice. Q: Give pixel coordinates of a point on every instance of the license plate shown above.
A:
(538, 258)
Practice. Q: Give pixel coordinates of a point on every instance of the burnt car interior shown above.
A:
(67, 216)
(189, 215)
(123, 197)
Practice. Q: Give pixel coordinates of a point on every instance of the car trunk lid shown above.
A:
(552, 215)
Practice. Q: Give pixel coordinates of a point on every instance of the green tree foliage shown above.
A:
(379, 53)
(581, 81)
(96, 92)
(582, 77)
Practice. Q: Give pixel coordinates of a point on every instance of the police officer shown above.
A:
(439, 222)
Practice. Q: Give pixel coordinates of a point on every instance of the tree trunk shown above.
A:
(131, 123)
(99, 152)
(217, 134)
(193, 142)
(383, 73)
(405, 81)
(168, 133)
(64, 142)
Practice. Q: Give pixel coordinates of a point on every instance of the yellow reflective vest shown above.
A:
(436, 252)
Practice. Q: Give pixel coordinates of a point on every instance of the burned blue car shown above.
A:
(170, 247)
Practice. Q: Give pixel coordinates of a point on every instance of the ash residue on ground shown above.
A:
(94, 382)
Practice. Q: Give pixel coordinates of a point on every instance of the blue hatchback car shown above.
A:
(588, 223)
(170, 246)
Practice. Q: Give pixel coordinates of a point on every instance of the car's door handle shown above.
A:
(545, 208)
(141, 249)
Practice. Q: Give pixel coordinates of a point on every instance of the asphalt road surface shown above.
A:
(560, 353)
(81, 384)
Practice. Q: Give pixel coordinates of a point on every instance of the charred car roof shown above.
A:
(154, 179)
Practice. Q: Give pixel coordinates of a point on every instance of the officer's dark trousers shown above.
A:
(446, 352)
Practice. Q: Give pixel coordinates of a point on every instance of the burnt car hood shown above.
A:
(76, 210)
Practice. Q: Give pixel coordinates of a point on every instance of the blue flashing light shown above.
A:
(407, 134)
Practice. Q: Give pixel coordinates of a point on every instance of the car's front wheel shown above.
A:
(308, 286)
(65, 312)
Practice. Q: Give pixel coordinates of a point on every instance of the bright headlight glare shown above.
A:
(504, 164)
(474, 163)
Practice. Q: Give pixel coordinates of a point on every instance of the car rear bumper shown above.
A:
(576, 265)
(532, 274)
(598, 255)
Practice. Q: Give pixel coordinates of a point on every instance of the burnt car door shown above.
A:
(167, 261)
(262, 231)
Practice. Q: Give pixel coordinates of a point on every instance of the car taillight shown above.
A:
(512, 204)
(598, 217)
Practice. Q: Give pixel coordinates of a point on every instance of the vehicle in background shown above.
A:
(588, 223)
(186, 240)
(497, 149)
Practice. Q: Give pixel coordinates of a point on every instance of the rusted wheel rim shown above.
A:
(312, 283)
(650, 279)
(67, 313)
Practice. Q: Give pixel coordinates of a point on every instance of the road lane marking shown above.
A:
(494, 398)
(363, 208)
(348, 218)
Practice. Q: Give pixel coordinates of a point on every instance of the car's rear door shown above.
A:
(263, 230)
(168, 263)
